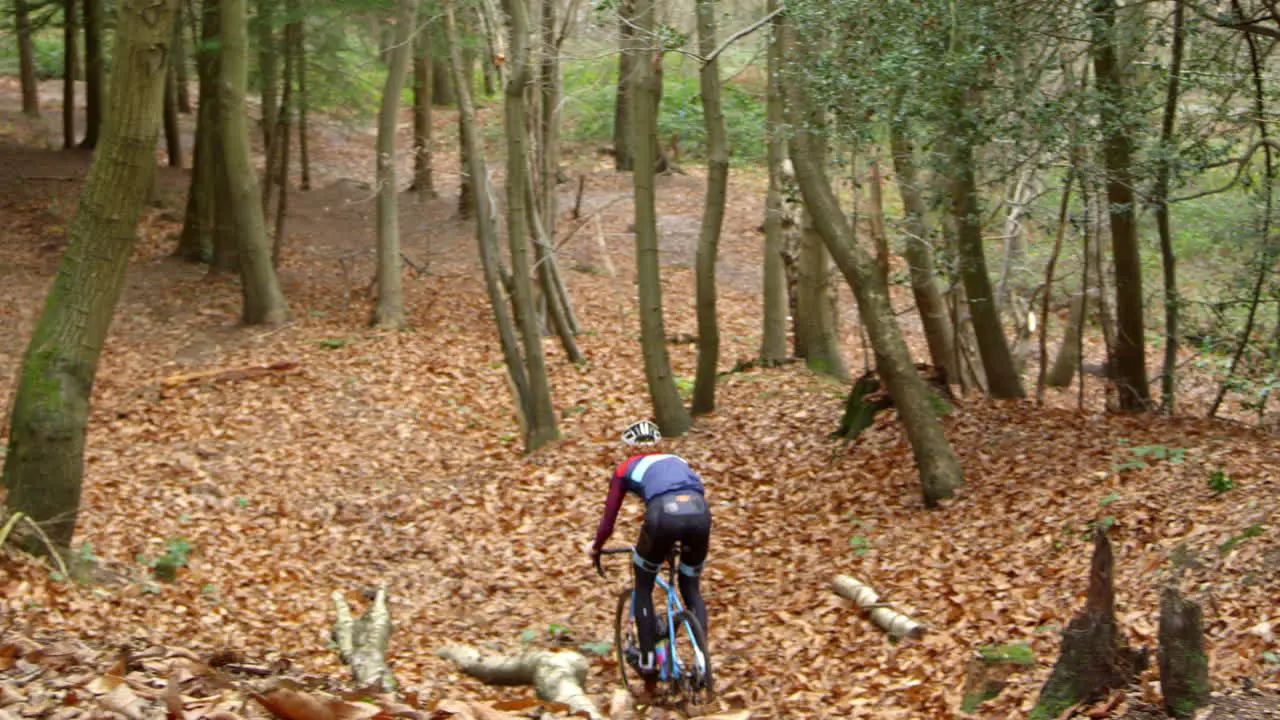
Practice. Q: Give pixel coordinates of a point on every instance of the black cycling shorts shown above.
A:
(676, 517)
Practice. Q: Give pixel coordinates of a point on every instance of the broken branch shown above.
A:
(556, 676)
(888, 619)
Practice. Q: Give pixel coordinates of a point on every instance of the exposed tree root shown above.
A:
(48, 544)
(556, 676)
(362, 642)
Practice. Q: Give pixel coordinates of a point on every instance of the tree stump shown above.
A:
(869, 397)
(1094, 658)
(1184, 665)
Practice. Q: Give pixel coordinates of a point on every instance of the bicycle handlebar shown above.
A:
(611, 551)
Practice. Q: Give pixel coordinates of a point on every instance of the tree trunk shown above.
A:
(642, 91)
(284, 124)
(1184, 664)
(172, 133)
(1129, 371)
(816, 338)
(1002, 375)
(466, 183)
(44, 463)
(622, 105)
(264, 302)
(918, 252)
(704, 389)
(26, 60)
(304, 157)
(94, 66)
(197, 243)
(423, 182)
(486, 233)
(1068, 357)
(269, 71)
(1163, 172)
(773, 342)
(553, 291)
(180, 64)
(940, 474)
(549, 84)
(1047, 296)
(540, 413)
(389, 312)
(69, 63)
(442, 85)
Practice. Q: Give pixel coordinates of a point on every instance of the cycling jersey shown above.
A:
(647, 477)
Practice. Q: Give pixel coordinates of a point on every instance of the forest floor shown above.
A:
(394, 456)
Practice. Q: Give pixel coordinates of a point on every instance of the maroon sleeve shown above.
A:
(613, 503)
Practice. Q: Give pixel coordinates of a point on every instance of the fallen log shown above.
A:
(362, 642)
(1094, 659)
(229, 374)
(557, 676)
(888, 619)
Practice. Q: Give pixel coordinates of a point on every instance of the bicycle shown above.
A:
(685, 667)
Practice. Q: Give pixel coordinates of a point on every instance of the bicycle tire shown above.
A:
(625, 637)
(698, 688)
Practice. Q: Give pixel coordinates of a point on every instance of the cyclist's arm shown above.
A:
(612, 503)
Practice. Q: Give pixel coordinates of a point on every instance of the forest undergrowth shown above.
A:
(368, 456)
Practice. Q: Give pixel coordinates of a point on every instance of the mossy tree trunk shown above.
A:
(817, 340)
(668, 409)
(704, 388)
(43, 468)
(1184, 664)
(389, 311)
(264, 303)
(940, 473)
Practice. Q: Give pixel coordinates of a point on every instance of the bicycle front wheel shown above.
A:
(626, 644)
(695, 682)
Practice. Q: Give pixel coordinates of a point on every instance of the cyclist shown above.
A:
(675, 511)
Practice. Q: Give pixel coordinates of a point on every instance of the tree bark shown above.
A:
(423, 182)
(1184, 664)
(26, 60)
(180, 64)
(69, 63)
(668, 409)
(285, 123)
(1068, 357)
(1063, 207)
(1164, 170)
(304, 156)
(940, 474)
(94, 66)
(549, 84)
(622, 107)
(264, 303)
(196, 242)
(557, 677)
(269, 70)
(704, 389)
(486, 233)
(540, 413)
(172, 133)
(44, 463)
(389, 311)
(1002, 375)
(918, 252)
(773, 342)
(1129, 371)
(816, 338)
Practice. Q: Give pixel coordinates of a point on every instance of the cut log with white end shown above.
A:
(888, 619)
(556, 676)
(362, 642)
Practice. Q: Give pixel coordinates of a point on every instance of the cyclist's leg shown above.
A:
(651, 550)
(695, 541)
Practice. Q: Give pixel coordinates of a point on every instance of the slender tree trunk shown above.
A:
(389, 312)
(94, 66)
(1129, 370)
(773, 342)
(264, 302)
(300, 55)
(549, 85)
(69, 62)
(180, 64)
(875, 218)
(423, 182)
(918, 252)
(44, 464)
(466, 184)
(196, 242)
(1063, 207)
(1067, 359)
(442, 84)
(940, 474)
(172, 132)
(26, 60)
(540, 414)
(1163, 172)
(816, 337)
(486, 233)
(1002, 375)
(269, 70)
(622, 108)
(284, 124)
(704, 389)
(642, 91)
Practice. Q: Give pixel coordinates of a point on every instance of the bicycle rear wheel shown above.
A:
(696, 683)
(626, 644)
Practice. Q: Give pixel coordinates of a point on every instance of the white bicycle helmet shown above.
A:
(643, 432)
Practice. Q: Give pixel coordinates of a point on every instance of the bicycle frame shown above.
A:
(671, 669)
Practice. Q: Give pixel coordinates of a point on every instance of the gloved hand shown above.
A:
(595, 560)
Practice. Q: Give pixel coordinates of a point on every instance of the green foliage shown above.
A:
(1252, 531)
(1018, 653)
(1110, 498)
(176, 555)
(1140, 455)
(602, 649)
(1220, 482)
(860, 545)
